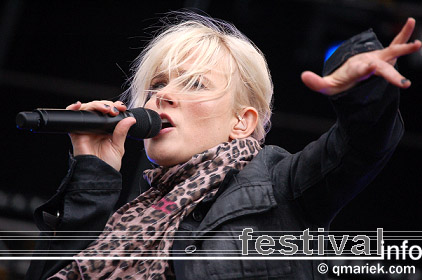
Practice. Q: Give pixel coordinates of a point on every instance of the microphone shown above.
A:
(148, 122)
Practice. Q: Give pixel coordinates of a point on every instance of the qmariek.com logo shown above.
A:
(321, 245)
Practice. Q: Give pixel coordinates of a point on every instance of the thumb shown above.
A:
(315, 82)
(121, 130)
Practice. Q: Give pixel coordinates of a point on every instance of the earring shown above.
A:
(241, 122)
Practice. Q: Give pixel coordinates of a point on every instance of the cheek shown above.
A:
(200, 116)
(208, 120)
(150, 104)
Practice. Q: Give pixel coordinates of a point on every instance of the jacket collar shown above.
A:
(241, 193)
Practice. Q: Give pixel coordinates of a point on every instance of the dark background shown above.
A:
(53, 53)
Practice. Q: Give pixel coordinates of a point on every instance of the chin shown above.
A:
(166, 155)
(166, 161)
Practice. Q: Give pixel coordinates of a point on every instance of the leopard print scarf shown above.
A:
(146, 225)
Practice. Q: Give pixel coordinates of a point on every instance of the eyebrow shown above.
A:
(159, 76)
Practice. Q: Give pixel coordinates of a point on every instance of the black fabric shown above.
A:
(277, 191)
(84, 200)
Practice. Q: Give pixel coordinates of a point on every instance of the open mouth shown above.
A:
(165, 123)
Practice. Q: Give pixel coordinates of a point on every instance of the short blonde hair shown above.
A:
(211, 43)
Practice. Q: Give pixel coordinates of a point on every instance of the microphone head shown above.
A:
(148, 123)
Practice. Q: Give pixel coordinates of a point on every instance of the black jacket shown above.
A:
(276, 192)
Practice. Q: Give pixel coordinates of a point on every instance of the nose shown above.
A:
(164, 99)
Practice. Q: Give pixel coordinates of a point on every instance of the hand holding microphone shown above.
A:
(90, 131)
(109, 148)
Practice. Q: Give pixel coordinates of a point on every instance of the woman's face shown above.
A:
(192, 123)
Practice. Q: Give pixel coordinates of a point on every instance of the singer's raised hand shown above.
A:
(109, 148)
(364, 65)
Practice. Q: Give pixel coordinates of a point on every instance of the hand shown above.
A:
(109, 148)
(364, 65)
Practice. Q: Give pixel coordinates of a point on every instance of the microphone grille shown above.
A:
(148, 123)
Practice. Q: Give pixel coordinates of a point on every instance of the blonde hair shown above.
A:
(210, 43)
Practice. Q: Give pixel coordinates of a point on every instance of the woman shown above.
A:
(212, 89)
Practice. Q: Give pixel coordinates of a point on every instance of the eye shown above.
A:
(196, 84)
(154, 87)
(157, 85)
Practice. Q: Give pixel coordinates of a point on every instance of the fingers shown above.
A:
(340, 80)
(104, 106)
(397, 50)
(121, 130)
(405, 32)
(389, 73)
(364, 65)
(74, 106)
(315, 82)
(120, 106)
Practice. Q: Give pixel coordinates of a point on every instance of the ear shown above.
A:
(245, 123)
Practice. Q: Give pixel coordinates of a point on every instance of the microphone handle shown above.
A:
(65, 121)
